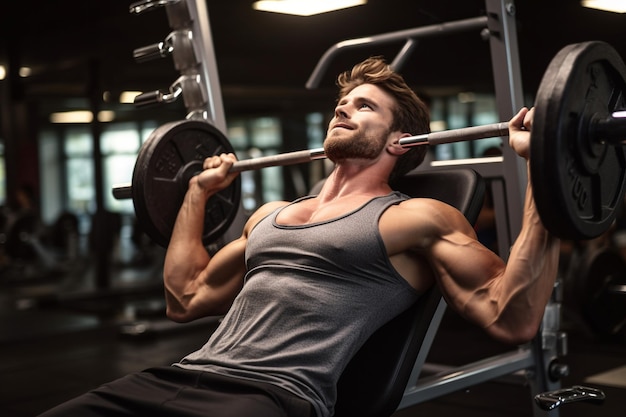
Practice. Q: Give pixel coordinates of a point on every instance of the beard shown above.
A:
(356, 145)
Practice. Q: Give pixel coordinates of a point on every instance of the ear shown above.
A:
(393, 145)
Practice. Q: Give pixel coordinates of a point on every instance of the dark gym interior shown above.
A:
(81, 296)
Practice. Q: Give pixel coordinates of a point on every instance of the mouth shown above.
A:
(342, 126)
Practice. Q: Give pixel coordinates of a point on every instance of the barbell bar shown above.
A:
(578, 163)
(434, 138)
(124, 191)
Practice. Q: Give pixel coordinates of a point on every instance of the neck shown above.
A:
(351, 180)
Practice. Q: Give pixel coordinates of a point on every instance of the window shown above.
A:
(253, 138)
(466, 109)
(78, 149)
(119, 144)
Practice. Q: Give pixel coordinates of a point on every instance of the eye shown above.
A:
(365, 106)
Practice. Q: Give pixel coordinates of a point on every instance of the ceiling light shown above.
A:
(25, 72)
(3, 72)
(467, 97)
(616, 6)
(304, 7)
(437, 125)
(105, 116)
(78, 116)
(128, 97)
(81, 116)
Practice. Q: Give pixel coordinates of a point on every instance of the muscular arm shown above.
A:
(196, 284)
(508, 300)
(530, 275)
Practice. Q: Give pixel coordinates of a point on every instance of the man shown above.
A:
(309, 281)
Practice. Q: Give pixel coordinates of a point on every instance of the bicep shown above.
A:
(224, 276)
(466, 272)
(465, 269)
(463, 260)
(216, 286)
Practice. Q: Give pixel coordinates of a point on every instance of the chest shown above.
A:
(398, 235)
(312, 211)
(371, 237)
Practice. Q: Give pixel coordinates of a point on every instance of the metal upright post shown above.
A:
(200, 78)
(201, 29)
(210, 82)
(509, 99)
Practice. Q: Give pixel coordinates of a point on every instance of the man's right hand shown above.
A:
(214, 176)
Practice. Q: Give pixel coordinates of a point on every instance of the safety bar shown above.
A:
(430, 387)
(407, 34)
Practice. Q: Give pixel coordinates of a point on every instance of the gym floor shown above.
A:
(52, 351)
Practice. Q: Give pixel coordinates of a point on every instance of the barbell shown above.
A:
(577, 162)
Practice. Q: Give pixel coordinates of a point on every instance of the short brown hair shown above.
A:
(410, 114)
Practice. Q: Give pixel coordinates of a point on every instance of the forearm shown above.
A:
(197, 284)
(509, 300)
(186, 257)
(528, 280)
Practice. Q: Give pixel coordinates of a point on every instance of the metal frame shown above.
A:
(509, 99)
(201, 29)
(191, 46)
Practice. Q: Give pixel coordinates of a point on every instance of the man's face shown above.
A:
(361, 124)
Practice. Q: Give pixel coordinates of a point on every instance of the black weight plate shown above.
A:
(167, 160)
(603, 308)
(577, 183)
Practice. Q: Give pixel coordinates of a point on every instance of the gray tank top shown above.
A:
(312, 296)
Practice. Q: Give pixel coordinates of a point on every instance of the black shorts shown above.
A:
(172, 392)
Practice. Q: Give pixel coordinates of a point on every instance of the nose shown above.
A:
(341, 111)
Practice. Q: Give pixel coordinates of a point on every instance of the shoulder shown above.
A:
(435, 210)
(422, 221)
